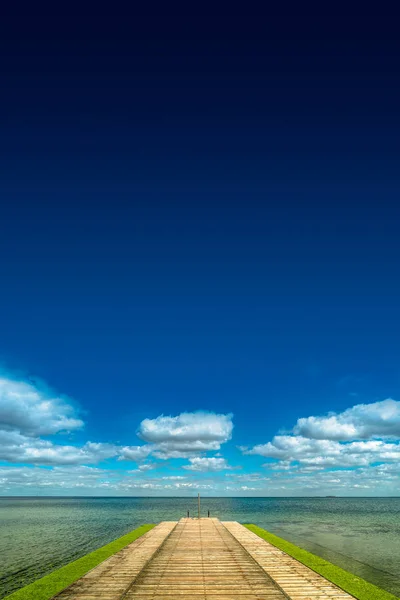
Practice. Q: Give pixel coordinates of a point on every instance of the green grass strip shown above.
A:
(49, 585)
(357, 587)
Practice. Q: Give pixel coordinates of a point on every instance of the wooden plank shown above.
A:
(114, 576)
(294, 578)
(201, 559)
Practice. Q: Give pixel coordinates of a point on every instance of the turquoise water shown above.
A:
(39, 535)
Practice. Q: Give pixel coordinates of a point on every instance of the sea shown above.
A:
(39, 535)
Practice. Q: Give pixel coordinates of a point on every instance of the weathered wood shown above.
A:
(294, 578)
(112, 578)
(201, 559)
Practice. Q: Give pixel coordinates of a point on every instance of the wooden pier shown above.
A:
(201, 559)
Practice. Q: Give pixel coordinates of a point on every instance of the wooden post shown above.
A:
(198, 503)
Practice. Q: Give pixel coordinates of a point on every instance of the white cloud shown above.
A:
(17, 448)
(373, 480)
(310, 481)
(207, 464)
(363, 421)
(325, 453)
(186, 434)
(344, 453)
(288, 447)
(147, 467)
(353, 452)
(29, 413)
(348, 439)
(27, 408)
(91, 481)
(32, 479)
(135, 453)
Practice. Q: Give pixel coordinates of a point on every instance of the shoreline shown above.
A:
(46, 587)
(350, 583)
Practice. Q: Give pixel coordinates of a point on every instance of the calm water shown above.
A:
(39, 535)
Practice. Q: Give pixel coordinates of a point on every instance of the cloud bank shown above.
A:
(30, 413)
(366, 434)
(186, 434)
(354, 452)
(204, 465)
(361, 422)
(26, 408)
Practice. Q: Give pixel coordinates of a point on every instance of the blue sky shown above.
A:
(199, 257)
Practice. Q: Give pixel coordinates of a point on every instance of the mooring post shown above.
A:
(198, 503)
(187, 514)
(208, 514)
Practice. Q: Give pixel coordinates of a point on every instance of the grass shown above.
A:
(348, 582)
(49, 585)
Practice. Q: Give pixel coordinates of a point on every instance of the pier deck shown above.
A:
(202, 559)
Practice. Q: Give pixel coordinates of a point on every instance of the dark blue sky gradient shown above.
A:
(201, 213)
